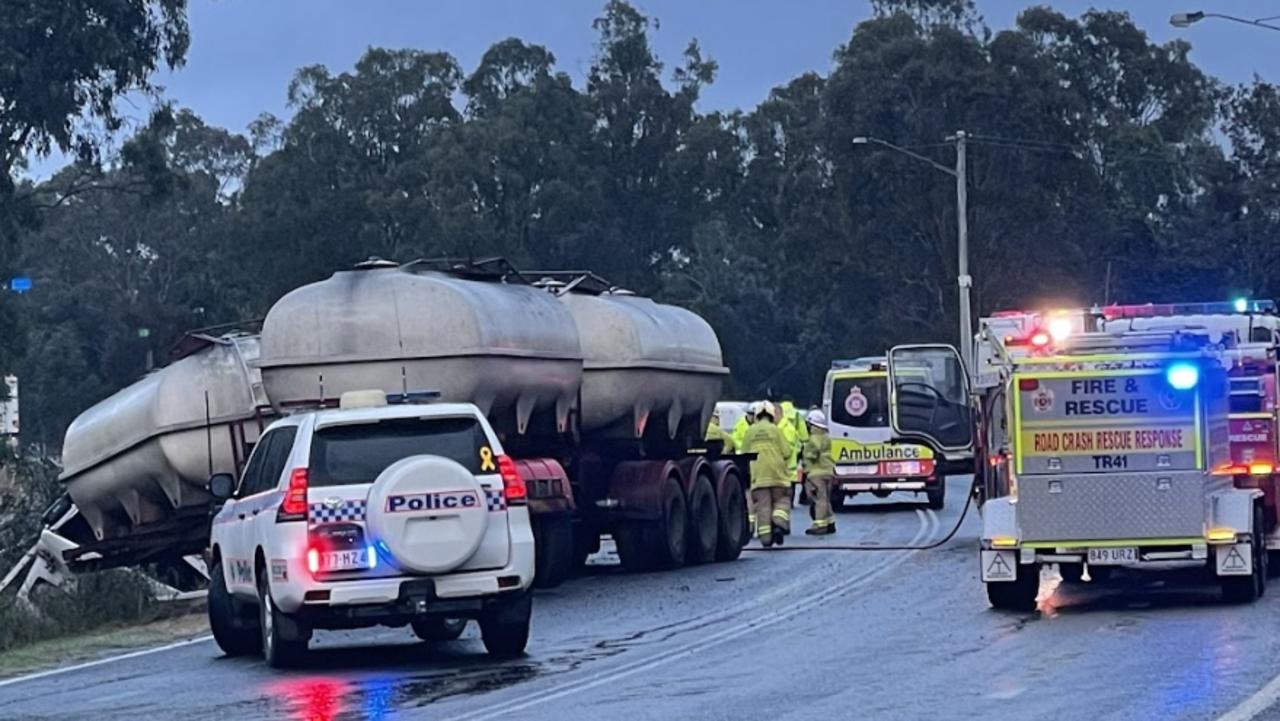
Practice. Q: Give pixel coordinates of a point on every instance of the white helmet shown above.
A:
(816, 418)
(753, 408)
(767, 407)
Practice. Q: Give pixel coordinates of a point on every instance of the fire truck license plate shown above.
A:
(344, 560)
(1112, 556)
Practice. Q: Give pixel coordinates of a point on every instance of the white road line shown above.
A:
(702, 644)
(1264, 699)
(99, 662)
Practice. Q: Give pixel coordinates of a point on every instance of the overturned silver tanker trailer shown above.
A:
(598, 393)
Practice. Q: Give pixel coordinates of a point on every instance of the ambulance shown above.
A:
(1104, 444)
(870, 456)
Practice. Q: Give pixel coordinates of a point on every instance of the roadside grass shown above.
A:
(188, 621)
(102, 612)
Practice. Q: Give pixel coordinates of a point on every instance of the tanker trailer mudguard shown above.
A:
(1113, 464)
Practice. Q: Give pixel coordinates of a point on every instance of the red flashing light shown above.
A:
(513, 486)
(1040, 339)
(313, 561)
(294, 507)
(1028, 384)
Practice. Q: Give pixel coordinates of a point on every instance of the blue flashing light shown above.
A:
(1182, 376)
(1241, 305)
(373, 557)
(20, 284)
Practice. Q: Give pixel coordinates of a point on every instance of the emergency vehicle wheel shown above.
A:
(281, 646)
(837, 500)
(504, 627)
(438, 629)
(1247, 589)
(235, 634)
(1019, 594)
(553, 551)
(937, 496)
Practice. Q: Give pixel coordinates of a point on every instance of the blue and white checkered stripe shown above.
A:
(348, 511)
(497, 500)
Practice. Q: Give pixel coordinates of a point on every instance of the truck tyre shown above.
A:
(937, 496)
(553, 551)
(1072, 572)
(235, 634)
(504, 626)
(283, 641)
(734, 532)
(436, 628)
(704, 522)
(1247, 589)
(657, 544)
(666, 536)
(1018, 595)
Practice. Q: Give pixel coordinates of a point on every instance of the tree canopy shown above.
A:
(1102, 167)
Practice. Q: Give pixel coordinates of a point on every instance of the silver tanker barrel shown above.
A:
(511, 349)
(143, 455)
(644, 362)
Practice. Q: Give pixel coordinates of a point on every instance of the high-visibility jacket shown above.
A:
(794, 429)
(769, 469)
(716, 433)
(817, 455)
(740, 431)
(793, 445)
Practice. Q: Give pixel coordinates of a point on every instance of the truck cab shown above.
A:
(870, 455)
(1110, 444)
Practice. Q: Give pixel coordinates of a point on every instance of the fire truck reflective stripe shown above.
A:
(1251, 416)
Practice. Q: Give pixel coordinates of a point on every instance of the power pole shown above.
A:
(963, 278)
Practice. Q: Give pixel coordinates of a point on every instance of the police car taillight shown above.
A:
(294, 507)
(513, 486)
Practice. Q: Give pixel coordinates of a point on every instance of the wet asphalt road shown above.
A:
(776, 635)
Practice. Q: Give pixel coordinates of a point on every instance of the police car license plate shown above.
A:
(344, 560)
(1113, 556)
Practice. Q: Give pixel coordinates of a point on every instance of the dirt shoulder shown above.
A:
(102, 643)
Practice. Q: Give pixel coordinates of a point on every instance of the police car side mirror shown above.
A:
(222, 486)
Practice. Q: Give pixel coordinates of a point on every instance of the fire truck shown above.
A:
(1105, 438)
(867, 415)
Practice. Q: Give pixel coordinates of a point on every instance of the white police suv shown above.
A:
(371, 514)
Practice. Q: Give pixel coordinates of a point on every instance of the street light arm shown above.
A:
(917, 156)
(1182, 20)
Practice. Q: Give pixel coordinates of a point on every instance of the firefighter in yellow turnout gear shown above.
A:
(716, 433)
(819, 474)
(770, 480)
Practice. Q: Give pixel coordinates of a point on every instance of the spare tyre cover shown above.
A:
(429, 511)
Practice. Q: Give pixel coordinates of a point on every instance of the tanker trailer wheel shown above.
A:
(1019, 594)
(704, 522)
(734, 532)
(660, 543)
(235, 632)
(553, 550)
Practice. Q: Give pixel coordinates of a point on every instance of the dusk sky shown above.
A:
(244, 52)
